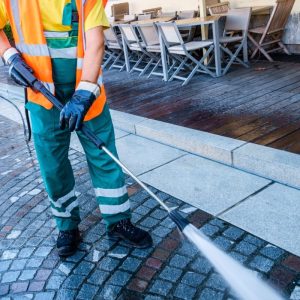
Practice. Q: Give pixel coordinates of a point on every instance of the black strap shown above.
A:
(75, 17)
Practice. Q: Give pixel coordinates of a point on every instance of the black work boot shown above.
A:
(67, 242)
(133, 236)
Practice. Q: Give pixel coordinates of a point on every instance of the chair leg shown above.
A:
(147, 67)
(285, 49)
(178, 68)
(137, 63)
(116, 60)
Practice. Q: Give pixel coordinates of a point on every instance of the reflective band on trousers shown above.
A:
(114, 209)
(68, 53)
(111, 193)
(33, 50)
(67, 213)
(56, 34)
(60, 201)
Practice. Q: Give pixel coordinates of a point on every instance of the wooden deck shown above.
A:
(259, 105)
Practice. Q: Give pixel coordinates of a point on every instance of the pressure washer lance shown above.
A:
(244, 283)
(38, 86)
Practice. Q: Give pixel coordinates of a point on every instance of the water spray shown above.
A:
(242, 281)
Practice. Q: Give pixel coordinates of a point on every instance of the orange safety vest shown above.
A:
(27, 29)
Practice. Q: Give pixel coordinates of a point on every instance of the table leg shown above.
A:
(163, 57)
(216, 38)
(245, 51)
(126, 54)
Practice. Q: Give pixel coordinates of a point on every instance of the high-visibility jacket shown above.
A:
(27, 28)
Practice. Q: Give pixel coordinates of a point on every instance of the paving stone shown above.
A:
(245, 248)
(18, 264)
(137, 285)
(131, 264)
(233, 233)
(108, 264)
(142, 210)
(215, 281)
(94, 256)
(261, 263)
(150, 297)
(34, 262)
(98, 277)
(239, 257)
(19, 287)
(45, 296)
(66, 294)
(149, 222)
(73, 281)
(43, 274)
(161, 287)
(9, 254)
(26, 252)
(84, 268)
(179, 261)
(184, 292)
(88, 291)
(36, 286)
(119, 278)
(271, 251)
(4, 265)
(76, 257)
(162, 231)
(159, 214)
(10, 276)
(209, 294)
(254, 240)
(27, 274)
(201, 265)
(192, 279)
(119, 252)
(55, 282)
(109, 292)
(223, 243)
(170, 274)
(4, 288)
(66, 267)
(141, 252)
(43, 251)
(154, 263)
(209, 230)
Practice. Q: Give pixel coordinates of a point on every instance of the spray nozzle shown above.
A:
(179, 220)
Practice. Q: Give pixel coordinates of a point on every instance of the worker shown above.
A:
(62, 43)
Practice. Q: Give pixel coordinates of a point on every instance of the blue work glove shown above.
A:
(73, 113)
(13, 57)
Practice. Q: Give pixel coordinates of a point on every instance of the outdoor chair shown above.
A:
(137, 48)
(269, 36)
(187, 33)
(235, 34)
(155, 12)
(114, 50)
(183, 52)
(172, 15)
(119, 10)
(129, 18)
(144, 17)
(218, 8)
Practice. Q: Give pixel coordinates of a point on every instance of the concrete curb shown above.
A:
(278, 165)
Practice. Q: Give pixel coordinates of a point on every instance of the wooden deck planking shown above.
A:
(260, 104)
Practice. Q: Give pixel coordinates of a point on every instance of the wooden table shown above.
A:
(262, 10)
(151, 21)
(190, 23)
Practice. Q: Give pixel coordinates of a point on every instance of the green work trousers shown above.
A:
(52, 146)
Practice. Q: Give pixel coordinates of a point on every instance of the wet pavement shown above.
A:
(101, 269)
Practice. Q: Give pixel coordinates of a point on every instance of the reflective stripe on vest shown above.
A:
(33, 50)
(56, 34)
(69, 53)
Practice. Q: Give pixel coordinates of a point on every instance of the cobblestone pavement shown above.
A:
(101, 269)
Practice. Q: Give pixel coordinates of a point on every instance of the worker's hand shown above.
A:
(13, 57)
(73, 113)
